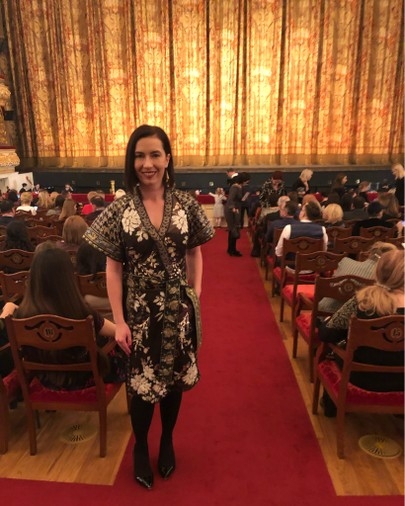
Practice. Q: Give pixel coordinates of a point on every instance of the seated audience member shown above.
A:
(346, 202)
(350, 267)
(43, 200)
(358, 211)
(305, 227)
(72, 232)
(90, 260)
(98, 204)
(44, 296)
(52, 198)
(13, 197)
(375, 212)
(17, 237)
(66, 194)
(386, 297)
(333, 216)
(268, 214)
(7, 211)
(287, 216)
(390, 205)
(88, 208)
(333, 198)
(69, 208)
(26, 201)
(57, 208)
(363, 189)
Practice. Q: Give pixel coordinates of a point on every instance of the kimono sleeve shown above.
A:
(105, 233)
(199, 227)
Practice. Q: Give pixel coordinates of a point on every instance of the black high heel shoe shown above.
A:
(142, 471)
(166, 461)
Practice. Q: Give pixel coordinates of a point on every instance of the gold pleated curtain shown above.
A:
(245, 82)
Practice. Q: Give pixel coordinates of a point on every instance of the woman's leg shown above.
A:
(141, 418)
(169, 410)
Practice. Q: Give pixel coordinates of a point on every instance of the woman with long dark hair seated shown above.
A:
(52, 289)
(17, 236)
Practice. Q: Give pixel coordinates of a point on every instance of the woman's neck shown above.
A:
(152, 193)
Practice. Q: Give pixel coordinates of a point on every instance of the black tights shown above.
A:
(141, 418)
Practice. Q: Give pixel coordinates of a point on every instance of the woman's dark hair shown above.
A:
(52, 287)
(17, 236)
(89, 260)
(338, 179)
(346, 202)
(13, 196)
(130, 176)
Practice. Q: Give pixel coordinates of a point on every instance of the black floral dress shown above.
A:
(160, 308)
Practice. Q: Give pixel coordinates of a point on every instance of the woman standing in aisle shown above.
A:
(233, 208)
(152, 238)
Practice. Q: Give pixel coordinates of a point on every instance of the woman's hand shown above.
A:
(123, 337)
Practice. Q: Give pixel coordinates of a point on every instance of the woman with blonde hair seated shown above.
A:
(43, 201)
(26, 201)
(332, 215)
(386, 297)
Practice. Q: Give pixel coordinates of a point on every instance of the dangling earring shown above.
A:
(167, 177)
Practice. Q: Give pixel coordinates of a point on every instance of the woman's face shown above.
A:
(344, 180)
(151, 161)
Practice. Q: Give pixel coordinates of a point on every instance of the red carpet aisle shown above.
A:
(243, 436)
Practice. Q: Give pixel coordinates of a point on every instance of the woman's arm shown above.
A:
(341, 318)
(194, 262)
(114, 289)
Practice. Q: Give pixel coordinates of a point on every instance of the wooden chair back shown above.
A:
(384, 334)
(352, 245)
(93, 287)
(93, 284)
(340, 288)
(39, 233)
(9, 392)
(37, 343)
(14, 260)
(337, 232)
(377, 233)
(319, 263)
(13, 285)
(290, 248)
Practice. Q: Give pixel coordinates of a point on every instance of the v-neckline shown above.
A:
(167, 210)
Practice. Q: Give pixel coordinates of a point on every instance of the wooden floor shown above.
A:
(59, 461)
(357, 474)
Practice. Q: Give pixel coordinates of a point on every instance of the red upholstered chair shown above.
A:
(340, 288)
(9, 393)
(282, 276)
(40, 233)
(46, 333)
(385, 334)
(319, 263)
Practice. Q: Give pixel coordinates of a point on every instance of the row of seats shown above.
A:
(302, 277)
